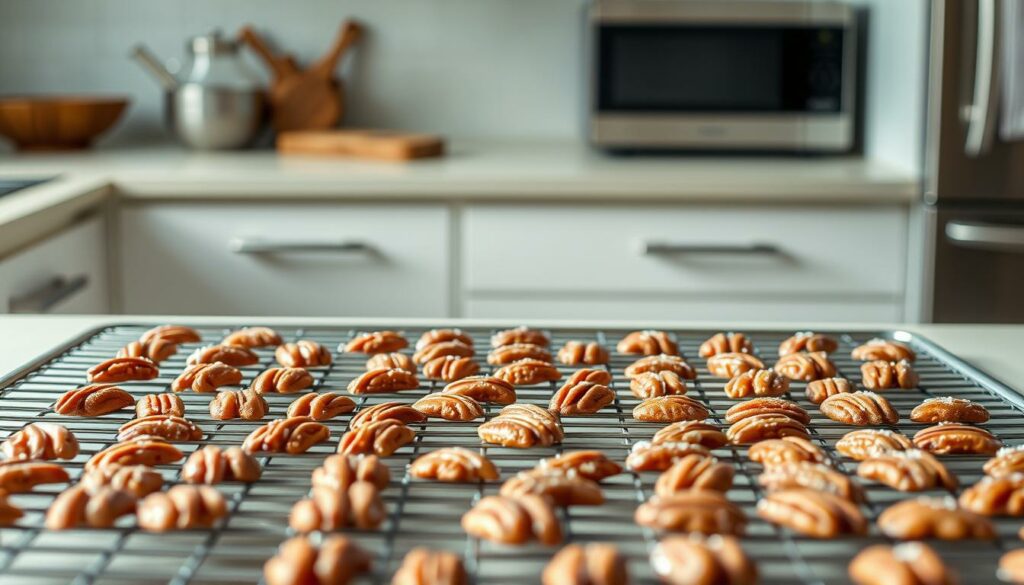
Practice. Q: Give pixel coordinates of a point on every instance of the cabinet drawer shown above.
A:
(285, 259)
(707, 249)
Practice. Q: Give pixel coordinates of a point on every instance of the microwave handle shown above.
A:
(980, 113)
(982, 235)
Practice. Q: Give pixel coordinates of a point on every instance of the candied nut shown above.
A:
(1006, 461)
(648, 342)
(243, 404)
(9, 513)
(254, 337)
(165, 403)
(818, 390)
(756, 383)
(907, 563)
(1011, 567)
(695, 471)
(23, 476)
(652, 384)
(562, 489)
(939, 518)
(592, 465)
(671, 408)
(513, 520)
(860, 409)
(692, 431)
(808, 341)
(441, 335)
(282, 381)
(376, 342)
(883, 349)
(391, 361)
(183, 507)
(122, 369)
(815, 476)
(297, 562)
(581, 398)
(812, 513)
(328, 509)
(528, 372)
(506, 354)
(422, 566)
(590, 375)
(806, 367)
(149, 451)
(41, 441)
(382, 437)
(698, 560)
(156, 350)
(866, 443)
(76, 507)
(138, 480)
(693, 510)
(661, 363)
(911, 470)
(522, 426)
(303, 354)
(383, 381)
(449, 407)
(212, 465)
(232, 355)
(767, 405)
(956, 438)
(449, 368)
(442, 349)
(591, 564)
(483, 389)
(730, 365)
(996, 496)
(295, 434)
(399, 411)
(949, 409)
(785, 450)
(341, 471)
(726, 343)
(520, 334)
(206, 377)
(883, 375)
(173, 333)
(166, 426)
(761, 427)
(323, 406)
(93, 400)
(574, 353)
(454, 464)
(645, 456)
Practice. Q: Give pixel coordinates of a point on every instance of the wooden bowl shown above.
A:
(57, 123)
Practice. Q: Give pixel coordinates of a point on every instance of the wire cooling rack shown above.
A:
(428, 513)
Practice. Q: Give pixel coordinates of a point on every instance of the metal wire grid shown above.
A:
(421, 512)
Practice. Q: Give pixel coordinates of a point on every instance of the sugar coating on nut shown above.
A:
(166, 426)
(699, 560)
(454, 407)
(939, 518)
(527, 372)
(661, 363)
(232, 355)
(243, 404)
(695, 471)
(949, 409)
(581, 398)
(732, 364)
(254, 337)
(591, 464)
(449, 368)
(653, 384)
(381, 437)
(808, 341)
(790, 449)
(911, 470)
(23, 476)
(647, 456)
(304, 353)
(522, 426)
(382, 381)
(392, 360)
(454, 464)
(725, 343)
(883, 375)
(956, 438)
(513, 520)
(671, 408)
(803, 474)
(513, 352)
(767, 405)
(399, 411)
(520, 334)
(560, 487)
(693, 510)
(860, 409)
(761, 427)
(122, 369)
(883, 349)
(865, 443)
(295, 434)
(93, 400)
(648, 342)
(819, 390)
(377, 342)
(806, 366)
(692, 431)
(756, 383)
(285, 380)
(483, 389)
(996, 496)
(441, 335)
(206, 377)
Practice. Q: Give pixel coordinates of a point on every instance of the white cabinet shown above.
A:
(285, 258)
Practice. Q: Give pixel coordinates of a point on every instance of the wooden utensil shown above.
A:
(375, 144)
(311, 98)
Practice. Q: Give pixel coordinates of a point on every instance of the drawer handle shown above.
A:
(44, 298)
(263, 246)
(655, 248)
(986, 236)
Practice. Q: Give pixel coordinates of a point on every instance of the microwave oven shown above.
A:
(722, 75)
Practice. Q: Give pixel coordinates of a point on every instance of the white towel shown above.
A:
(1011, 126)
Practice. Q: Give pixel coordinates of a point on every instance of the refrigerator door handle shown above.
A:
(986, 236)
(980, 114)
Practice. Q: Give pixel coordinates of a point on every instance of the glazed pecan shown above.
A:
(581, 398)
(254, 337)
(806, 367)
(232, 355)
(661, 363)
(940, 518)
(155, 350)
(812, 513)
(883, 375)
(377, 342)
(860, 409)
(383, 381)
(506, 354)
(449, 368)
(441, 335)
(76, 507)
(122, 369)
(166, 403)
(912, 470)
(183, 507)
(785, 450)
(295, 434)
(767, 405)
(815, 476)
(243, 404)
(520, 334)
(907, 563)
(592, 465)
(441, 349)
(337, 562)
(590, 375)
(726, 343)
(23, 476)
(9, 513)
(93, 400)
(695, 471)
(329, 509)
(730, 365)
(653, 384)
(138, 480)
(212, 465)
(956, 438)
(173, 333)
(645, 456)
(206, 377)
(528, 372)
(883, 349)
(149, 451)
(391, 361)
(422, 566)
(756, 383)
(1011, 566)
(1006, 461)
(508, 520)
(574, 353)
(698, 560)
(671, 408)
(818, 390)
(322, 406)
(399, 411)
(166, 426)
(449, 407)
(694, 510)
(866, 443)
(692, 431)
(454, 464)
(562, 489)
(483, 389)
(522, 426)
(761, 427)
(996, 496)
(341, 471)
(949, 409)
(381, 437)
(41, 441)
(282, 381)
(304, 353)
(648, 342)
(590, 564)
(808, 341)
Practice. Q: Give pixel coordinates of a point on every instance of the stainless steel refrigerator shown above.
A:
(974, 183)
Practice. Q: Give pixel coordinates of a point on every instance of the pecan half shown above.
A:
(700, 511)
(756, 383)
(449, 368)
(648, 342)
(1011, 566)
(341, 471)
(183, 507)
(522, 426)
(593, 563)
(883, 349)
(761, 427)
(812, 513)
(282, 381)
(337, 562)
(441, 349)
(76, 507)
(661, 363)
(173, 333)
(805, 366)
(528, 372)
(9, 513)
(520, 334)
(949, 409)
(562, 489)
(243, 404)
(692, 431)
(1006, 461)
(671, 408)
(304, 353)
(449, 407)
(590, 375)
(808, 341)
(383, 381)
(907, 563)
(212, 465)
(652, 384)
(883, 375)
(730, 365)
(148, 451)
(399, 411)
(517, 520)
(574, 353)
(506, 354)
(138, 480)
(391, 361)
(697, 560)
(866, 443)
(254, 337)
(322, 406)
(996, 496)
(156, 350)
(380, 437)
(645, 456)
(454, 464)
(165, 403)
(329, 509)
(207, 377)
(166, 426)
(232, 355)
(767, 405)
(814, 476)
(292, 435)
(912, 470)
(695, 471)
(122, 369)
(377, 342)
(441, 335)
(726, 343)
(785, 450)
(940, 518)
(483, 389)
(818, 390)
(860, 409)
(581, 398)
(956, 438)
(592, 465)
(93, 400)
(23, 476)
(41, 441)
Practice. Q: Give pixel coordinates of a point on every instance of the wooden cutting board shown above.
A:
(374, 144)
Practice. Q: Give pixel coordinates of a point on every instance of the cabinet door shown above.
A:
(285, 259)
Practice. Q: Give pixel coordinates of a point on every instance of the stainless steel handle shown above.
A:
(655, 248)
(47, 296)
(265, 246)
(986, 236)
(980, 114)
(150, 63)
